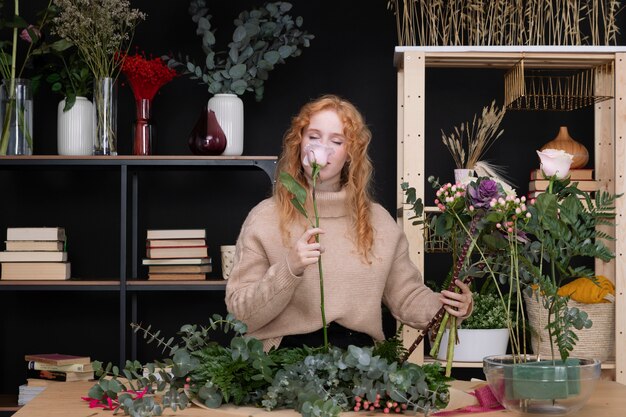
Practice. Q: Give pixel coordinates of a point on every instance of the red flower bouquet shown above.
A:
(146, 77)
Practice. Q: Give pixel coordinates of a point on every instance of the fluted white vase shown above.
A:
(75, 128)
(228, 109)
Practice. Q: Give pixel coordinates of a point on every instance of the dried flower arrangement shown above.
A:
(479, 136)
(505, 22)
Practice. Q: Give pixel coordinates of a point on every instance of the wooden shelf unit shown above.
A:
(609, 139)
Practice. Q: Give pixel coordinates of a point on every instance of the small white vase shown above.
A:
(462, 174)
(475, 344)
(75, 128)
(228, 109)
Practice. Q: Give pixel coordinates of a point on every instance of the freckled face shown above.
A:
(326, 128)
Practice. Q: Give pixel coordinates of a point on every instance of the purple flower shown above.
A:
(481, 194)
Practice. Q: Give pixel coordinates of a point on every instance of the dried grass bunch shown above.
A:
(506, 22)
(102, 30)
(477, 137)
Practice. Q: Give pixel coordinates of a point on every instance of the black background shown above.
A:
(351, 55)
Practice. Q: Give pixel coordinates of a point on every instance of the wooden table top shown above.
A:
(64, 400)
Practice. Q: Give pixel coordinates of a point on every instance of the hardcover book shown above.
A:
(74, 367)
(28, 271)
(574, 174)
(176, 234)
(177, 261)
(35, 233)
(586, 185)
(179, 269)
(176, 277)
(31, 256)
(59, 375)
(168, 243)
(35, 245)
(58, 359)
(178, 252)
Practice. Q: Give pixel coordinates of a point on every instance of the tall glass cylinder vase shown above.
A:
(105, 116)
(143, 128)
(16, 113)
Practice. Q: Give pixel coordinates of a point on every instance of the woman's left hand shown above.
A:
(458, 304)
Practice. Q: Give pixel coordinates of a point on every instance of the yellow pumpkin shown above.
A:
(586, 291)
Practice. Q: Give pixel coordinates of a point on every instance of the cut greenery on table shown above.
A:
(313, 382)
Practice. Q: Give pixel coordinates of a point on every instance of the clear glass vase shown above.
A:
(16, 113)
(143, 128)
(105, 116)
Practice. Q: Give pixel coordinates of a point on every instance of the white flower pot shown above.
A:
(475, 344)
(228, 109)
(75, 128)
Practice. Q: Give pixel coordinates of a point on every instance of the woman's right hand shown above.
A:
(305, 252)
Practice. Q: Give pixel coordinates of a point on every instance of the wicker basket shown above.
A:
(597, 342)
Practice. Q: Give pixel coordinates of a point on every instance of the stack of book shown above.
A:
(57, 367)
(34, 253)
(177, 254)
(584, 177)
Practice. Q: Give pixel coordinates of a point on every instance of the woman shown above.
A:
(274, 284)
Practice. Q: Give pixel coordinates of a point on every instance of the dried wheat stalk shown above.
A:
(506, 22)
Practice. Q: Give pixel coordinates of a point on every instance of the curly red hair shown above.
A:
(355, 176)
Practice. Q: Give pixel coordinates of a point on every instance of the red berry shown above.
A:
(386, 410)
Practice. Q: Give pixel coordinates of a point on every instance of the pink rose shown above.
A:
(25, 34)
(315, 153)
(555, 162)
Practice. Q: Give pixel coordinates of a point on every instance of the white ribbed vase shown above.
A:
(228, 109)
(75, 128)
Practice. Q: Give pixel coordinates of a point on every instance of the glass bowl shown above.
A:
(541, 386)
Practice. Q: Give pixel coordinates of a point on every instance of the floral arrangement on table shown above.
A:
(263, 38)
(310, 380)
(30, 35)
(527, 246)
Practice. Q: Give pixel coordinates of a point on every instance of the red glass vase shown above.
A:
(143, 128)
(207, 136)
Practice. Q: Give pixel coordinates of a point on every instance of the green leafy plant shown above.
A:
(488, 313)
(263, 38)
(68, 74)
(314, 382)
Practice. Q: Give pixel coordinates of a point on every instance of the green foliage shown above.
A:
(67, 73)
(565, 229)
(314, 382)
(488, 313)
(263, 38)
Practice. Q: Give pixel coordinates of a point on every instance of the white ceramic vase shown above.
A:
(462, 174)
(475, 344)
(228, 109)
(75, 128)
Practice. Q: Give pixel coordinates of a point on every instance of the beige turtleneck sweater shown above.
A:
(263, 293)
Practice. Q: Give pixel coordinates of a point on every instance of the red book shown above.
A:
(58, 359)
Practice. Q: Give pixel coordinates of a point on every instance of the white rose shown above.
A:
(555, 162)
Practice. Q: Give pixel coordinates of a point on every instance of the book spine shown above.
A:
(76, 367)
(48, 375)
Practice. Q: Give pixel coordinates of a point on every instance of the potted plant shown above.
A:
(68, 75)
(264, 37)
(484, 333)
